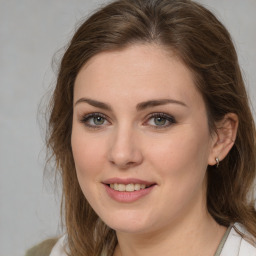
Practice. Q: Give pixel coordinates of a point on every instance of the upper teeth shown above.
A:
(128, 187)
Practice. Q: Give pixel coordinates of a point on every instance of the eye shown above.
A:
(98, 120)
(160, 120)
(95, 120)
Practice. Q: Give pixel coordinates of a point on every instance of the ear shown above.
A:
(224, 139)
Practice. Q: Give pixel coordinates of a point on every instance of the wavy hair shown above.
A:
(205, 47)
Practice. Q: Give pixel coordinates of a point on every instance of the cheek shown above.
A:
(181, 165)
(88, 154)
(182, 158)
(179, 150)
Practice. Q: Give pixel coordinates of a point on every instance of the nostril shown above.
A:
(123, 164)
(124, 153)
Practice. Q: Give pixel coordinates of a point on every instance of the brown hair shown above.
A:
(205, 46)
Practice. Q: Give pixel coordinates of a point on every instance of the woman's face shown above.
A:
(140, 139)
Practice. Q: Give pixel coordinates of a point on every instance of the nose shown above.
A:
(125, 151)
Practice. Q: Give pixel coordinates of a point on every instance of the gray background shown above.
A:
(30, 33)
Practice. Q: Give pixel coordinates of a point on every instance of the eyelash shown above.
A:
(85, 120)
(166, 117)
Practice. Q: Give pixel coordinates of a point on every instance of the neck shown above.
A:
(194, 237)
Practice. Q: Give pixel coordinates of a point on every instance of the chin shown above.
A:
(128, 222)
(128, 228)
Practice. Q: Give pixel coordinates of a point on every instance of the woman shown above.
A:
(153, 136)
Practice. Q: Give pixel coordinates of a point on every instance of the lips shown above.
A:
(128, 190)
(130, 184)
(127, 181)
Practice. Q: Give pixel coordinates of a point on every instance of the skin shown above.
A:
(173, 151)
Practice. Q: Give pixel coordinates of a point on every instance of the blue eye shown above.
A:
(160, 120)
(94, 120)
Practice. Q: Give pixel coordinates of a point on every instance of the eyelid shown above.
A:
(171, 119)
(87, 117)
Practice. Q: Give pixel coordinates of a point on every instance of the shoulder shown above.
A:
(239, 242)
(60, 247)
(42, 249)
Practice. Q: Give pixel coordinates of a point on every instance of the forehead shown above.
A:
(139, 71)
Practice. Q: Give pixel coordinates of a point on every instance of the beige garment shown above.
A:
(42, 249)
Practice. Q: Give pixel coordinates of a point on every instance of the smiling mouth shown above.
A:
(128, 187)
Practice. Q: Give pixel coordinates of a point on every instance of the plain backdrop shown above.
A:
(31, 32)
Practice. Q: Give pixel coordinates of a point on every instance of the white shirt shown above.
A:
(236, 245)
(232, 244)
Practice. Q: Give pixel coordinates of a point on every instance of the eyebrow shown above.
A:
(141, 106)
(95, 103)
(154, 103)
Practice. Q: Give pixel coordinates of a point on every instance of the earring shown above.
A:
(217, 161)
